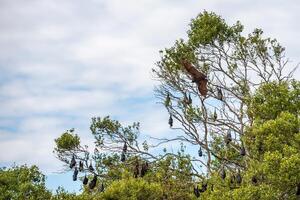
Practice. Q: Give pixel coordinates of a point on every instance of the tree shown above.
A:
(231, 97)
(131, 188)
(22, 182)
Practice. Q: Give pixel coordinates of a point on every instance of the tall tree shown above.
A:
(230, 97)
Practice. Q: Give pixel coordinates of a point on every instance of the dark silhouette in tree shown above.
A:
(197, 77)
(93, 183)
(85, 180)
(73, 162)
(75, 174)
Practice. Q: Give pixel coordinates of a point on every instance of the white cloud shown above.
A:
(32, 144)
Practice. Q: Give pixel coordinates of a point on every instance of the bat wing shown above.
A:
(196, 75)
(202, 87)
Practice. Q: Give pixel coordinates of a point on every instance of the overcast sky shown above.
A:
(65, 61)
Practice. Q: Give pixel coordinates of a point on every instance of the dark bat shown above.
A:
(170, 121)
(197, 192)
(75, 174)
(204, 187)
(198, 77)
(228, 137)
(91, 168)
(80, 166)
(243, 151)
(220, 94)
(200, 152)
(85, 180)
(187, 100)
(73, 162)
(123, 157)
(190, 99)
(136, 170)
(93, 183)
(125, 148)
(215, 115)
(144, 169)
(254, 180)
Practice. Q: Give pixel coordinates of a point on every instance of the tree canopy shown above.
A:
(22, 182)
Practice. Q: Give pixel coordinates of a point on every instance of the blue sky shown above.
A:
(65, 61)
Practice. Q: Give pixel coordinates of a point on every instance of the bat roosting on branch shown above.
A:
(198, 77)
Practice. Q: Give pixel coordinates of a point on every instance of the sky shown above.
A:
(63, 62)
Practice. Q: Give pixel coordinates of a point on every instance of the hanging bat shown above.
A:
(73, 162)
(136, 170)
(144, 169)
(197, 77)
(75, 174)
(187, 100)
(85, 180)
(80, 166)
(215, 115)
(228, 137)
(125, 148)
(168, 100)
(254, 180)
(220, 94)
(204, 187)
(190, 99)
(171, 121)
(93, 183)
(197, 192)
(123, 157)
(243, 151)
(200, 152)
(91, 168)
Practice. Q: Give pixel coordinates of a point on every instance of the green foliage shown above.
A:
(132, 189)
(62, 194)
(271, 99)
(22, 182)
(272, 135)
(106, 129)
(208, 28)
(67, 141)
(174, 176)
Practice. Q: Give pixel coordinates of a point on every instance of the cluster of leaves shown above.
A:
(22, 183)
(273, 98)
(67, 141)
(272, 168)
(208, 28)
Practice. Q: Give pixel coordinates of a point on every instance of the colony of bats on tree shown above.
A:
(140, 170)
(201, 81)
